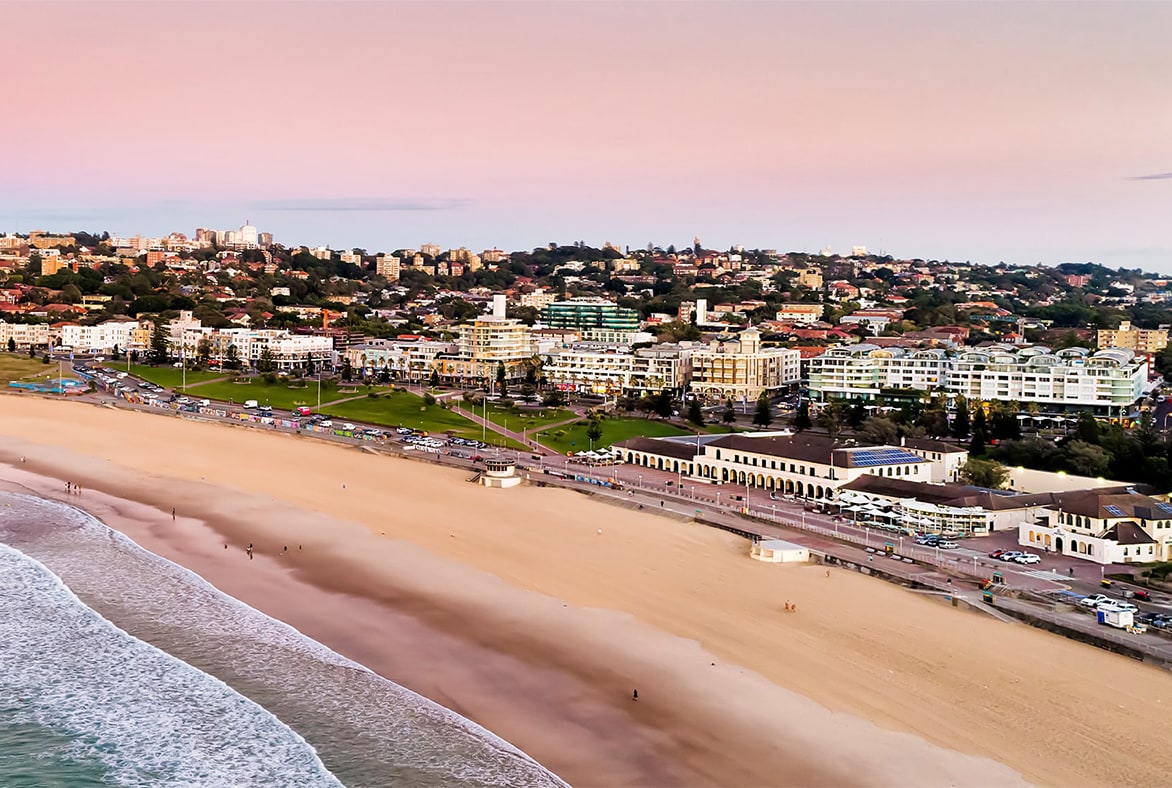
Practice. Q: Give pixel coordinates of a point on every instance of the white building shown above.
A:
(853, 371)
(24, 334)
(1072, 379)
(401, 358)
(1104, 526)
(805, 465)
(101, 338)
(610, 370)
(288, 350)
(946, 458)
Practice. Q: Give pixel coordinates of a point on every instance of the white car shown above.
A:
(1028, 558)
(347, 426)
(327, 423)
(1095, 600)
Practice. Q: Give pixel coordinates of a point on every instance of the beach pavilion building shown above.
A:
(1111, 525)
(803, 465)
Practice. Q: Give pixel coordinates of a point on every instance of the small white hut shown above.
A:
(778, 551)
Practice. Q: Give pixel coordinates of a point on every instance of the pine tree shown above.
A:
(11, 345)
(729, 415)
(960, 422)
(764, 415)
(160, 342)
(696, 413)
(802, 420)
(264, 362)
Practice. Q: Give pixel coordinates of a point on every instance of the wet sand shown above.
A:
(510, 607)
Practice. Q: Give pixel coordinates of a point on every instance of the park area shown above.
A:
(167, 377)
(403, 409)
(15, 367)
(276, 395)
(572, 438)
(521, 419)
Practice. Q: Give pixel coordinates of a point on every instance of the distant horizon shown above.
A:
(1026, 133)
(480, 247)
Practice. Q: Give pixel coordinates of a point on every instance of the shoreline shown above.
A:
(717, 725)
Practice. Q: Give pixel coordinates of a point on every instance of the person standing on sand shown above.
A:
(635, 695)
(172, 512)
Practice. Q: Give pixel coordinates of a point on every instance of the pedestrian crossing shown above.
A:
(1044, 574)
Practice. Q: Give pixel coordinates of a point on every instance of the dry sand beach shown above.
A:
(511, 608)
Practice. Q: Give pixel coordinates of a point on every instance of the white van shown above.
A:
(249, 404)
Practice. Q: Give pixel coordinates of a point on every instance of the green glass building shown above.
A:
(585, 314)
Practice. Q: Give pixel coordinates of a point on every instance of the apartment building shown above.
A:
(538, 299)
(802, 314)
(1141, 340)
(865, 370)
(741, 369)
(484, 345)
(24, 334)
(1067, 380)
(590, 315)
(387, 265)
(104, 337)
(1103, 382)
(608, 370)
(412, 359)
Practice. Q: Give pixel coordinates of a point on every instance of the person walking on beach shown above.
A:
(635, 695)
(172, 512)
(787, 605)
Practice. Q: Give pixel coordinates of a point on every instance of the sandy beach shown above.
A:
(512, 608)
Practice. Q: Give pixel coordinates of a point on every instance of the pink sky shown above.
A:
(970, 131)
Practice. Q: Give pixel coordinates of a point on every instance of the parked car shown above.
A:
(997, 553)
(348, 426)
(1094, 600)
(947, 545)
(1028, 558)
(1009, 555)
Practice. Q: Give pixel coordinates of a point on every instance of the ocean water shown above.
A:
(118, 667)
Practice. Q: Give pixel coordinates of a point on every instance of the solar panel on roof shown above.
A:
(1115, 510)
(872, 457)
(1165, 507)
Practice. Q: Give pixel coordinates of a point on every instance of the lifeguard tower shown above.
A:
(500, 473)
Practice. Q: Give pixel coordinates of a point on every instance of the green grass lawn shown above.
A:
(523, 419)
(613, 430)
(403, 409)
(277, 395)
(722, 429)
(168, 377)
(17, 366)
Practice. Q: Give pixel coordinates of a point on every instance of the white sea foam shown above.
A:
(149, 717)
(355, 715)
